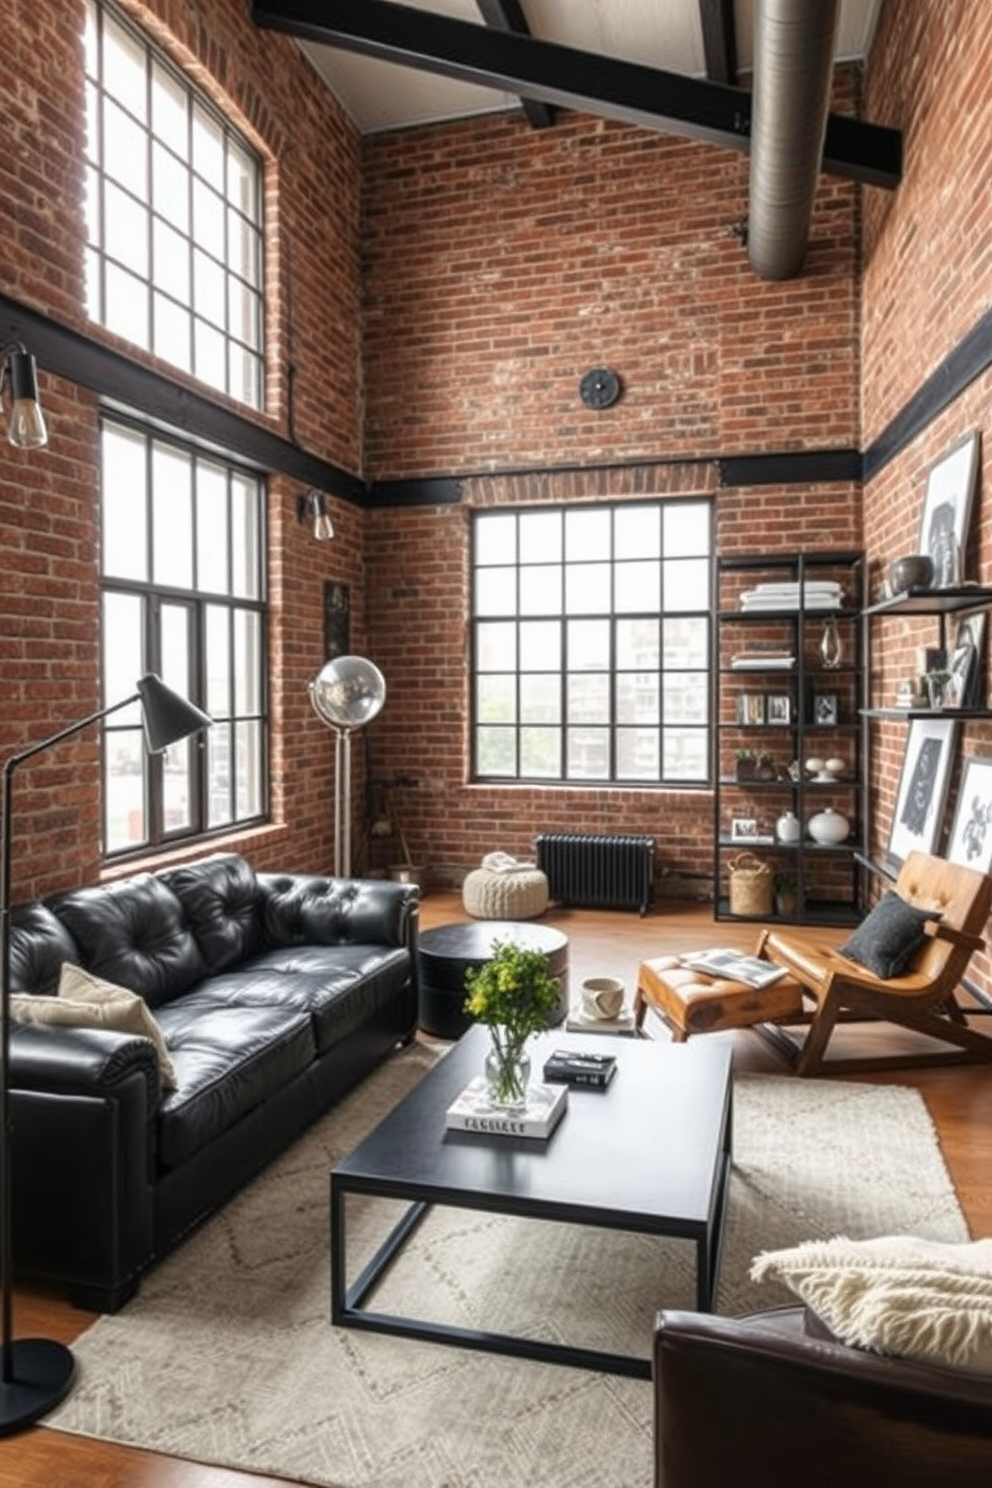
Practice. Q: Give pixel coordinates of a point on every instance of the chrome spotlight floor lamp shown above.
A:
(346, 693)
(37, 1372)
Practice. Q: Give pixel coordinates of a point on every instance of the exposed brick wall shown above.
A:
(49, 531)
(927, 271)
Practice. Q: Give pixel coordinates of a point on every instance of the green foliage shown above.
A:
(514, 990)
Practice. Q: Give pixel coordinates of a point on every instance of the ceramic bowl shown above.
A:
(912, 572)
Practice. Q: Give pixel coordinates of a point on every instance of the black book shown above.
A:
(572, 1068)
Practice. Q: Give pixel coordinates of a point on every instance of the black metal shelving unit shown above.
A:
(828, 878)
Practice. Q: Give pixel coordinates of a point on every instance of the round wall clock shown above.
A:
(599, 388)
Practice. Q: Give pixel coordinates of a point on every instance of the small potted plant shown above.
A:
(786, 891)
(746, 764)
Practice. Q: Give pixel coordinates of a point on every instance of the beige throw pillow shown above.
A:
(87, 1001)
(918, 1299)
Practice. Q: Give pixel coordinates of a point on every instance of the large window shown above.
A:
(174, 214)
(591, 643)
(183, 596)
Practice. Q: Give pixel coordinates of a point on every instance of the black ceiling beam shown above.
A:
(131, 387)
(628, 91)
(508, 15)
(716, 17)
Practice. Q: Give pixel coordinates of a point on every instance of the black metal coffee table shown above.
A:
(651, 1154)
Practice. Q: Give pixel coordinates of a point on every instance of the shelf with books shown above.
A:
(787, 679)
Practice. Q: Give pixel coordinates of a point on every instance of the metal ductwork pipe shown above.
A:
(793, 70)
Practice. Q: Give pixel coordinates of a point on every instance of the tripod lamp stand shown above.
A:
(36, 1373)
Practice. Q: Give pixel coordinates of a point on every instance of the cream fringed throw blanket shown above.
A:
(897, 1295)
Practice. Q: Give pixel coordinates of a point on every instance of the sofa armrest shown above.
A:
(81, 1061)
(763, 1398)
(309, 909)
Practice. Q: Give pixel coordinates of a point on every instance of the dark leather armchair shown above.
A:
(774, 1399)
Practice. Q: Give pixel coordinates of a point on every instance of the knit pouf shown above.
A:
(520, 895)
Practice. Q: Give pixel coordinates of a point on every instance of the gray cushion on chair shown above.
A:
(887, 939)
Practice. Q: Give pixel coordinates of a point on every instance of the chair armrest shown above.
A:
(769, 1399)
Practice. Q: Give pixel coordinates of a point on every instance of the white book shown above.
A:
(736, 966)
(578, 1021)
(471, 1111)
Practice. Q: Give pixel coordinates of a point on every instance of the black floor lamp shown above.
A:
(37, 1372)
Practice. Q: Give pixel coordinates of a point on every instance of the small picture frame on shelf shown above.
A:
(970, 842)
(778, 708)
(824, 712)
(750, 707)
(743, 829)
(968, 656)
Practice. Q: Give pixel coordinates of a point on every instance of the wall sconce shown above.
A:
(26, 428)
(312, 507)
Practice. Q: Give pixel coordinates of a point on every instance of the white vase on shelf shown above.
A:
(829, 827)
(787, 828)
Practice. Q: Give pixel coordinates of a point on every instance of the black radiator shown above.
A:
(609, 872)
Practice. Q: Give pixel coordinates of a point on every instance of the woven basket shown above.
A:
(750, 885)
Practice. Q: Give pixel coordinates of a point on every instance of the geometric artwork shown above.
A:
(926, 772)
(971, 835)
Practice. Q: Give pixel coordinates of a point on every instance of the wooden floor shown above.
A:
(600, 943)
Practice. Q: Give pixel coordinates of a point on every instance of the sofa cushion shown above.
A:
(85, 1001)
(39, 943)
(228, 1061)
(897, 1294)
(223, 906)
(340, 987)
(889, 937)
(134, 933)
(308, 909)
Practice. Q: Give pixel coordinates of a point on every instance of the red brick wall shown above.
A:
(49, 646)
(927, 275)
(501, 263)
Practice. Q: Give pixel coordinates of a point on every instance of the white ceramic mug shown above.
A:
(602, 997)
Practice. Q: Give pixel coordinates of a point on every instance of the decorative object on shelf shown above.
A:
(946, 512)
(936, 684)
(835, 768)
(751, 707)
(964, 682)
(909, 694)
(970, 842)
(778, 708)
(753, 764)
(794, 770)
(829, 827)
(786, 890)
(743, 828)
(788, 827)
(814, 765)
(831, 646)
(750, 885)
(926, 770)
(824, 712)
(516, 995)
(912, 572)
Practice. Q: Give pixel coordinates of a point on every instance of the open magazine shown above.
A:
(737, 966)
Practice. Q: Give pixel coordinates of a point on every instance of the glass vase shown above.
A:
(831, 645)
(507, 1071)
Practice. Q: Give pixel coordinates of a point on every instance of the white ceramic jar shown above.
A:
(829, 827)
(787, 828)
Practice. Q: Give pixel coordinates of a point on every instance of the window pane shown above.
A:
(171, 189)
(246, 540)
(124, 505)
(171, 261)
(124, 67)
(218, 662)
(172, 519)
(247, 662)
(626, 587)
(208, 147)
(220, 807)
(172, 332)
(123, 624)
(169, 113)
(125, 152)
(249, 770)
(126, 305)
(208, 220)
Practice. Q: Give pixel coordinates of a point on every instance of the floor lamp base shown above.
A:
(42, 1374)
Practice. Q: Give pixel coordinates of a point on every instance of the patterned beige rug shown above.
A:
(228, 1355)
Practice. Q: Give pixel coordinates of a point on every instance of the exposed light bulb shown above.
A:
(26, 427)
(323, 527)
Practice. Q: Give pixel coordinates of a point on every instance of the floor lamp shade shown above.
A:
(346, 693)
(36, 1373)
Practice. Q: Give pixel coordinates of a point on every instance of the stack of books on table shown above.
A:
(572, 1067)
(472, 1111)
(735, 966)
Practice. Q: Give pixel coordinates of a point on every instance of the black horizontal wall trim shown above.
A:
(129, 385)
(794, 468)
(969, 359)
(429, 490)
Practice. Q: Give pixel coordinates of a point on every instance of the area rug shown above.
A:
(228, 1356)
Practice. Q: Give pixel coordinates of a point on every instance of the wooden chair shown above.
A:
(923, 999)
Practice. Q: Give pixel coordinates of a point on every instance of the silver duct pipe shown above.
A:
(793, 69)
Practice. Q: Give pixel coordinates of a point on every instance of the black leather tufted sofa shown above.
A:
(276, 994)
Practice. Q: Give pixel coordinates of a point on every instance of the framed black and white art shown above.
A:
(947, 511)
(971, 834)
(926, 773)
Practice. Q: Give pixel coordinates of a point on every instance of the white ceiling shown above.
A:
(657, 33)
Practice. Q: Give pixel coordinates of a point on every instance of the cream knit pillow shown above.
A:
(87, 1001)
(918, 1299)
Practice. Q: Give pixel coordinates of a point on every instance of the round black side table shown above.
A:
(448, 951)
